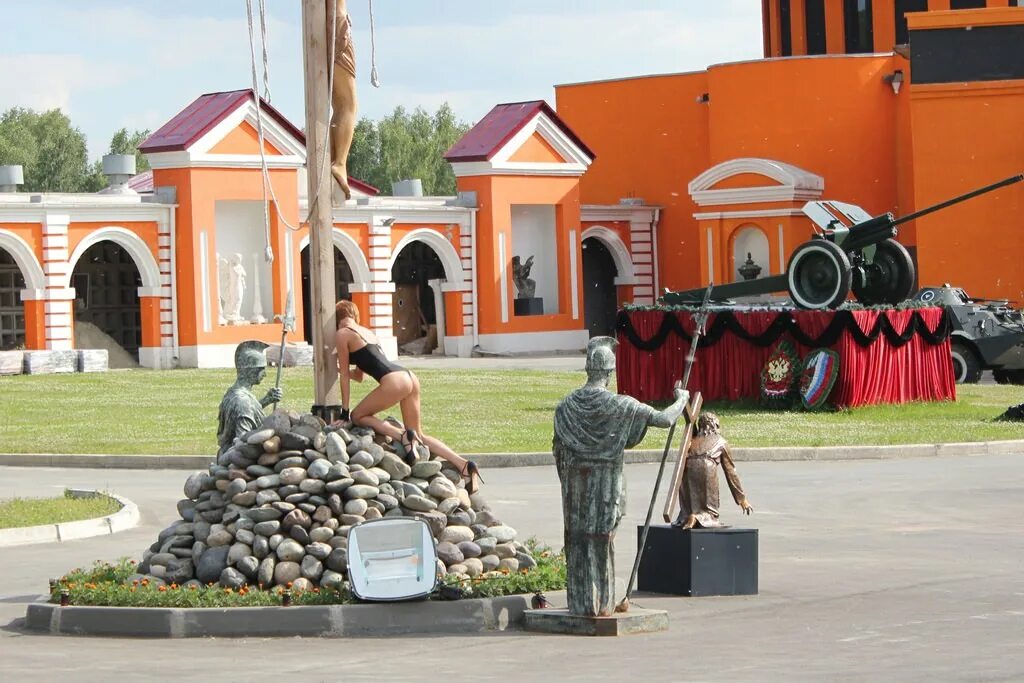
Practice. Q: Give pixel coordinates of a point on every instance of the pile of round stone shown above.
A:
(276, 509)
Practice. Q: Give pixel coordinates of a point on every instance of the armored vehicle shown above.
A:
(988, 334)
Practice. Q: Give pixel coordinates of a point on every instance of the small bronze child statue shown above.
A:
(698, 494)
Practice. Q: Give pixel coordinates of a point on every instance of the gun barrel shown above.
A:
(962, 198)
(869, 232)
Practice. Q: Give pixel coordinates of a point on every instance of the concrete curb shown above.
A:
(336, 621)
(497, 460)
(125, 518)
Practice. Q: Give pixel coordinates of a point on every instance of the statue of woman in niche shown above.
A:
(525, 287)
(236, 290)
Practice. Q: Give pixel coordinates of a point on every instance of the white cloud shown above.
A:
(47, 81)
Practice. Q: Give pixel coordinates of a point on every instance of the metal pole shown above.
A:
(315, 17)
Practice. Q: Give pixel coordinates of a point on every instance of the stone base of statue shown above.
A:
(533, 305)
(698, 562)
(560, 621)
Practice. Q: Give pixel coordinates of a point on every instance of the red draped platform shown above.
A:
(903, 357)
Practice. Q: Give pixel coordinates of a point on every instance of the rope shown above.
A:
(268, 253)
(266, 56)
(374, 81)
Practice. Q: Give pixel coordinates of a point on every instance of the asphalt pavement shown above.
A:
(869, 570)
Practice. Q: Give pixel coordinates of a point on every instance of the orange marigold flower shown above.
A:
(162, 589)
(133, 563)
(135, 582)
(193, 586)
(145, 582)
(288, 585)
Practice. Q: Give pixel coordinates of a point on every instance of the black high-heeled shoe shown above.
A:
(409, 440)
(472, 473)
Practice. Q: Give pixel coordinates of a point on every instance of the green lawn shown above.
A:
(20, 512)
(175, 412)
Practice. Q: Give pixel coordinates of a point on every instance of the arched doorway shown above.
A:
(414, 309)
(12, 313)
(106, 307)
(342, 279)
(600, 301)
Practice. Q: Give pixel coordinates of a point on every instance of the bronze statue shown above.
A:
(698, 494)
(240, 410)
(343, 95)
(525, 287)
(593, 427)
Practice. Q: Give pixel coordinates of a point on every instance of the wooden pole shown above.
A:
(315, 38)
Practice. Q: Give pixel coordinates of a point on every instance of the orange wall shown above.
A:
(650, 138)
(965, 136)
(495, 197)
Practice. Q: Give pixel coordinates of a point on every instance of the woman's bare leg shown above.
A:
(392, 389)
(411, 416)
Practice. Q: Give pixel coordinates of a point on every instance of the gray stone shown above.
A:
(394, 466)
(360, 491)
(265, 573)
(258, 471)
(232, 578)
(525, 560)
(319, 469)
(307, 507)
(161, 559)
(297, 499)
(360, 458)
(212, 563)
(89, 360)
(221, 537)
(389, 502)
(302, 585)
(299, 534)
(331, 580)
(290, 551)
(238, 551)
(289, 461)
(338, 560)
(245, 498)
(266, 497)
(448, 505)
(311, 568)
(180, 570)
(469, 549)
(460, 518)
(336, 471)
(318, 550)
(275, 541)
(365, 477)
(458, 569)
(449, 553)
(312, 486)
(258, 437)
(335, 448)
(12, 362)
(261, 547)
(296, 517)
(339, 485)
(186, 509)
(244, 524)
(356, 506)
(292, 475)
(425, 469)
(263, 514)
(441, 488)
(509, 563)
(474, 567)
(245, 536)
(249, 566)
(312, 455)
(294, 441)
(456, 534)
(322, 514)
(373, 513)
(490, 562)
(321, 535)
(419, 503)
(268, 528)
(502, 533)
(349, 520)
(195, 484)
(504, 550)
(50, 361)
(374, 503)
(269, 481)
(286, 572)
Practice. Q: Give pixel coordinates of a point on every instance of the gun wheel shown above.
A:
(889, 277)
(818, 275)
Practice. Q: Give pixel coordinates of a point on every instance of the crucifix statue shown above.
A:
(343, 94)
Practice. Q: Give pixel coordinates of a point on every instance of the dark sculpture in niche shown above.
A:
(593, 426)
(240, 410)
(698, 494)
(525, 287)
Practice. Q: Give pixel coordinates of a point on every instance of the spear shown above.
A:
(700, 319)
(287, 325)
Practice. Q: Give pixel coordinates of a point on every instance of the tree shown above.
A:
(122, 142)
(407, 145)
(51, 150)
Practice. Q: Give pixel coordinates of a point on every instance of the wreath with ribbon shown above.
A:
(779, 374)
(821, 368)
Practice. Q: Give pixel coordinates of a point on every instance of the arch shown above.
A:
(750, 238)
(131, 242)
(791, 183)
(350, 249)
(623, 261)
(26, 259)
(450, 259)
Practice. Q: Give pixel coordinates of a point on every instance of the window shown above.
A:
(967, 4)
(859, 34)
(815, 25)
(785, 28)
(902, 8)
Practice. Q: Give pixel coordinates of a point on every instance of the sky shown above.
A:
(136, 63)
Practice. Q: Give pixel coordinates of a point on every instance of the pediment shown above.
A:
(751, 180)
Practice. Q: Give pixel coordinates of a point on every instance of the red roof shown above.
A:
(357, 184)
(198, 118)
(499, 126)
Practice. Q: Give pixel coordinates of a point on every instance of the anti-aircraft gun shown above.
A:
(851, 250)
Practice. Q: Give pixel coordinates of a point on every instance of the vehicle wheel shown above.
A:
(890, 276)
(818, 275)
(966, 366)
(1009, 376)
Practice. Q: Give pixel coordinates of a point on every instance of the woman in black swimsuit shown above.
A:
(358, 346)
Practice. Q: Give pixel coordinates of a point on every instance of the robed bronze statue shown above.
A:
(698, 494)
(593, 427)
(343, 93)
(240, 410)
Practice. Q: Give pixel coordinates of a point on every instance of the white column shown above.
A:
(641, 251)
(59, 311)
(381, 288)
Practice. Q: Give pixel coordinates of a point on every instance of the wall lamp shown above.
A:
(895, 79)
(703, 98)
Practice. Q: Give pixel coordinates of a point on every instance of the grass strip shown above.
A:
(22, 512)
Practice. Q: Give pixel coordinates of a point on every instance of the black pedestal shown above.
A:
(698, 562)
(532, 306)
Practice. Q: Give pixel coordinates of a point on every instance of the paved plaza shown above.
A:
(870, 570)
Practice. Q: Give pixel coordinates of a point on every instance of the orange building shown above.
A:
(633, 185)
